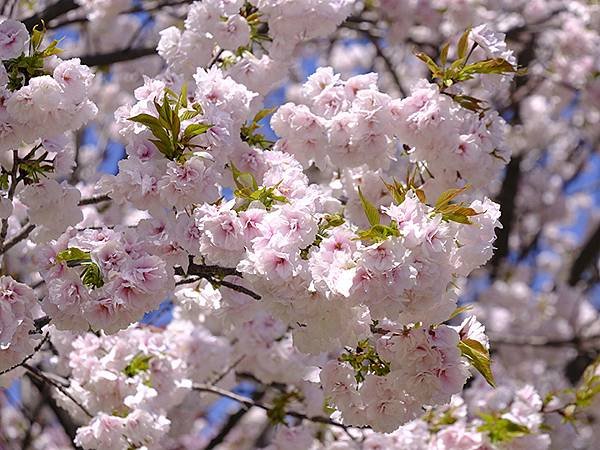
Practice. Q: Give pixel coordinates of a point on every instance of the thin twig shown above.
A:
(238, 288)
(43, 377)
(249, 403)
(227, 370)
(28, 357)
(21, 235)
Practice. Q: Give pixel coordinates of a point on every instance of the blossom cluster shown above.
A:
(128, 381)
(52, 206)
(40, 95)
(154, 178)
(238, 31)
(508, 419)
(18, 309)
(103, 279)
(321, 270)
(348, 124)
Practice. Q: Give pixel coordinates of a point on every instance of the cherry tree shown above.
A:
(285, 224)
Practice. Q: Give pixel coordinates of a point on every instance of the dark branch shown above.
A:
(65, 420)
(51, 12)
(28, 357)
(587, 257)
(94, 200)
(231, 423)
(105, 59)
(506, 199)
(249, 403)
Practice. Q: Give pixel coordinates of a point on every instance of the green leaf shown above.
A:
(244, 181)
(248, 189)
(4, 181)
(92, 276)
(188, 115)
(140, 363)
(396, 190)
(488, 66)
(262, 114)
(52, 49)
(458, 213)
(446, 197)
(479, 357)
(433, 67)
(147, 120)
(37, 36)
(73, 254)
(379, 233)
(196, 129)
(327, 408)
(444, 53)
(175, 130)
(277, 412)
(183, 97)
(500, 429)
(459, 310)
(365, 360)
(164, 147)
(463, 43)
(371, 211)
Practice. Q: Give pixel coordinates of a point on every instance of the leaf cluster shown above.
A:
(436, 422)
(277, 412)
(139, 364)
(248, 132)
(398, 190)
(325, 223)
(365, 360)
(455, 212)
(460, 70)
(377, 232)
(248, 190)
(173, 142)
(91, 275)
(584, 395)
(25, 67)
(500, 429)
(259, 29)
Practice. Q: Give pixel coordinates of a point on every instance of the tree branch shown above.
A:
(541, 341)
(105, 59)
(249, 403)
(51, 12)
(94, 199)
(63, 417)
(34, 371)
(215, 275)
(587, 257)
(506, 198)
(22, 234)
(28, 357)
(231, 423)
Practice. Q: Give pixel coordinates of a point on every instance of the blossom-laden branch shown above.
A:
(215, 274)
(250, 403)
